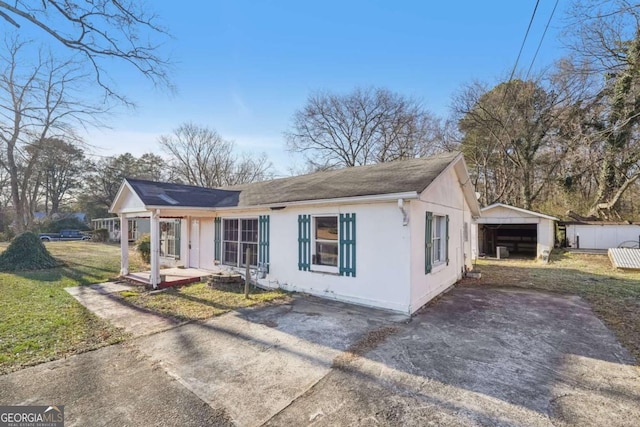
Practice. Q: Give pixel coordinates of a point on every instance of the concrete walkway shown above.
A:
(100, 300)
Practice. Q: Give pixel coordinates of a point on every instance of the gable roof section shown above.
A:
(399, 177)
(521, 210)
(412, 175)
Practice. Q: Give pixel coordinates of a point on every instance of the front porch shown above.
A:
(171, 276)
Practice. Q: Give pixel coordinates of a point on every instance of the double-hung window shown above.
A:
(325, 243)
(438, 233)
(436, 240)
(238, 235)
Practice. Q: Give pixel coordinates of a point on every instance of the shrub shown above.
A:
(100, 235)
(27, 252)
(143, 246)
(7, 235)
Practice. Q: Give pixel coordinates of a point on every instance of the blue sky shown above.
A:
(244, 67)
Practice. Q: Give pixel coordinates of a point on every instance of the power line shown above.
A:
(542, 38)
(524, 41)
(533, 15)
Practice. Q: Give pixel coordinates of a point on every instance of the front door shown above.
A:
(194, 244)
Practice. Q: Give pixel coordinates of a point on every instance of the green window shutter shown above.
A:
(304, 242)
(217, 235)
(446, 240)
(263, 239)
(428, 242)
(347, 249)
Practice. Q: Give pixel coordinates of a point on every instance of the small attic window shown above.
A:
(168, 199)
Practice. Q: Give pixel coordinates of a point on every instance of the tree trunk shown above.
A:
(18, 205)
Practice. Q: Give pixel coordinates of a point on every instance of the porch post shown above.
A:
(155, 248)
(186, 237)
(124, 245)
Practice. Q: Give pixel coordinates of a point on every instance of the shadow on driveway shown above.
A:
(476, 356)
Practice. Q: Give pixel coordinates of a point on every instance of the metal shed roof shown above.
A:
(625, 258)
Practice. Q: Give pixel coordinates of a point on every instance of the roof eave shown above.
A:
(465, 183)
(125, 184)
(341, 200)
(527, 211)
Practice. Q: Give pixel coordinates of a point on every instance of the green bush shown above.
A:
(143, 246)
(26, 252)
(7, 235)
(100, 235)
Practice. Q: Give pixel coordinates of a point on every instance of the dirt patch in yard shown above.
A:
(614, 295)
(200, 301)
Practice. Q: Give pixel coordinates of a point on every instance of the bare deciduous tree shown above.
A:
(200, 156)
(39, 98)
(98, 31)
(605, 37)
(362, 127)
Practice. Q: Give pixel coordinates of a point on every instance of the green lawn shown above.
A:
(39, 321)
(614, 295)
(199, 301)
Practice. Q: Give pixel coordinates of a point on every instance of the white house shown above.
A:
(391, 235)
(521, 231)
(601, 234)
(136, 227)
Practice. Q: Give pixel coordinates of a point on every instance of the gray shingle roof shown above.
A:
(383, 178)
(413, 175)
(179, 195)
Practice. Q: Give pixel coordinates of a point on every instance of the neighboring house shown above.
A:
(392, 235)
(42, 216)
(601, 234)
(136, 227)
(521, 231)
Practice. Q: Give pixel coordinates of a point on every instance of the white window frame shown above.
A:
(239, 241)
(438, 244)
(324, 268)
(169, 246)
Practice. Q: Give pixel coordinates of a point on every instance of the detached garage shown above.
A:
(522, 232)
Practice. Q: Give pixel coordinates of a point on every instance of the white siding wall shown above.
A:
(382, 257)
(546, 236)
(444, 198)
(605, 236)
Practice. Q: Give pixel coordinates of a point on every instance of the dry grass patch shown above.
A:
(614, 294)
(40, 321)
(199, 301)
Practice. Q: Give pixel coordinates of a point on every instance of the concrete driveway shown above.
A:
(475, 357)
(484, 357)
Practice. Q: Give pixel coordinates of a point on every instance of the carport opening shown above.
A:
(520, 239)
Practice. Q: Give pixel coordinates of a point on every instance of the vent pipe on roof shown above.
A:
(405, 216)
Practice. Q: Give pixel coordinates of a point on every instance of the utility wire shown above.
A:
(542, 38)
(524, 40)
(533, 15)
